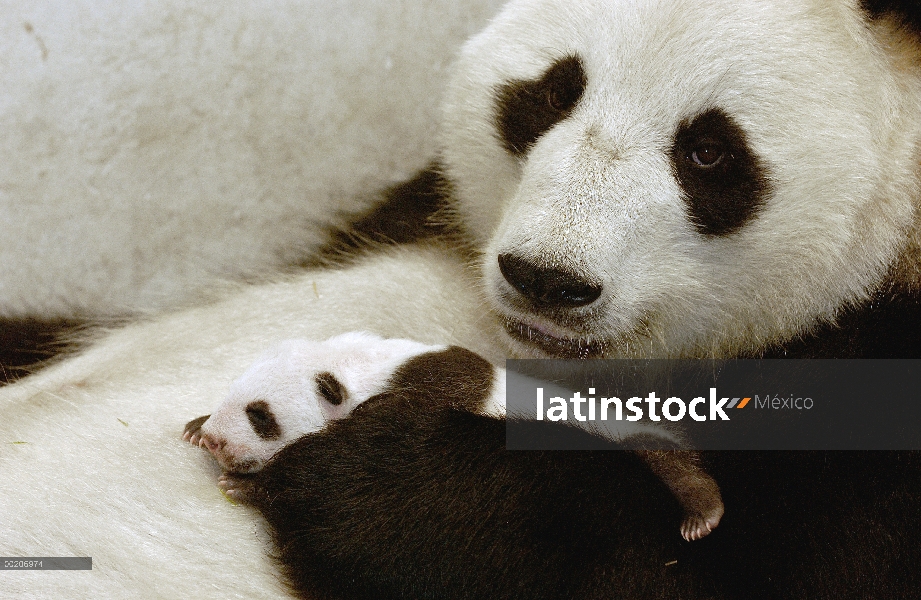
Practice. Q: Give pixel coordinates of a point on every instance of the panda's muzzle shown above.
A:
(547, 287)
(553, 308)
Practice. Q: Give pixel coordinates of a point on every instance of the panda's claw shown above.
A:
(698, 526)
(234, 487)
(703, 506)
(192, 431)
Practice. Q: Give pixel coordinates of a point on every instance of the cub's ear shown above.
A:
(330, 388)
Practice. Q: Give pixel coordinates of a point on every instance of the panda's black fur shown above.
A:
(907, 11)
(886, 326)
(413, 498)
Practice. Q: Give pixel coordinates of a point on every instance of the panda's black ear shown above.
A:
(330, 388)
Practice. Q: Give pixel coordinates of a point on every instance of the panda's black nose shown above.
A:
(547, 287)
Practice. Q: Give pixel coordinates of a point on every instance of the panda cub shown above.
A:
(293, 389)
(299, 386)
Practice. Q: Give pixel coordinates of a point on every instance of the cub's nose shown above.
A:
(212, 445)
(547, 287)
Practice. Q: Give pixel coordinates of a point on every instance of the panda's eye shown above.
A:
(262, 420)
(707, 154)
(562, 95)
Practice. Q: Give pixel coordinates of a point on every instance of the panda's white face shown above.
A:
(670, 177)
(295, 388)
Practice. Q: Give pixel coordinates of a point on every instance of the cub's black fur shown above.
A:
(411, 498)
(407, 501)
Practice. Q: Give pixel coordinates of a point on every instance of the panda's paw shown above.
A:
(192, 431)
(703, 506)
(236, 487)
(696, 526)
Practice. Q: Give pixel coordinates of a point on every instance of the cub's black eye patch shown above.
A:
(528, 109)
(330, 388)
(262, 420)
(724, 182)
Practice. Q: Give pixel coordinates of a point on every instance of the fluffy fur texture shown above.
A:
(298, 386)
(155, 148)
(94, 443)
(602, 257)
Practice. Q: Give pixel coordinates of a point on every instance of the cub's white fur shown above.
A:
(153, 148)
(91, 457)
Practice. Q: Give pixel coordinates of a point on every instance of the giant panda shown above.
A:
(643, 178)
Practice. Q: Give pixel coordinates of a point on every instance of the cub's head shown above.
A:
(669, 177)
(295, 388)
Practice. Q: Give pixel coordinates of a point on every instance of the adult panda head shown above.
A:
(667, 177)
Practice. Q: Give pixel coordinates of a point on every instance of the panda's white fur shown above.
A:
(151, 149)
(91, 457)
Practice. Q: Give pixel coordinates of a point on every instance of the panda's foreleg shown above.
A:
(237, 486)
(660, 448)
(697, 492)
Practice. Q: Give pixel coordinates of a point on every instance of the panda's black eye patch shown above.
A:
(330, 388)
(528, 109)
(724, 182)
(262, 420)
